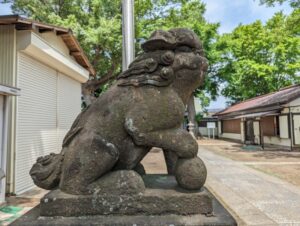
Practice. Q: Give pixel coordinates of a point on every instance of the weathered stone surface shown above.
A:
(162, 196)
(121, 182)
(140, 169)
(190, 173)
(220, 217)
(143, 109)
(46, 172)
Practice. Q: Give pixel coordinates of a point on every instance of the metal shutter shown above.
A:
(231, 126)
(69, 104)
(36, 117)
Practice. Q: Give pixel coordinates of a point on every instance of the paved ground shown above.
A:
(273, 161)
(17, 206)
(257, 198)
(253, 197)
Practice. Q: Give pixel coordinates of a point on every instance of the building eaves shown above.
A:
(260, 103)
(67, 36)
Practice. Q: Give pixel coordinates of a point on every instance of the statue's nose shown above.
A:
(204, 64)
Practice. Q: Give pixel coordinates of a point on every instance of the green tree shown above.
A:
(292, 3)
(258, 59)
(97, 25)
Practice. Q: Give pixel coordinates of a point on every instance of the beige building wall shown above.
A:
(7, 55)
(8, 77)
(10, 43)
(56, 42)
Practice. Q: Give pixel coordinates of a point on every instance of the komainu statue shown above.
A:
(143, 109)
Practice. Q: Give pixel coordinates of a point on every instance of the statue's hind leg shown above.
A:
(85, 160)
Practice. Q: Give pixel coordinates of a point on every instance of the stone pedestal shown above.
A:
(162, 203)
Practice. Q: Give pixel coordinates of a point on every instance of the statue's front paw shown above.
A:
(138, 138)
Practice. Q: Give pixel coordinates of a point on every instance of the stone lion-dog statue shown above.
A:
(143, 109)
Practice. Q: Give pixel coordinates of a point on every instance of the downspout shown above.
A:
(4, 147)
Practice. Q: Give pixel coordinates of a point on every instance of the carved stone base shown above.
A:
(163, 203)
(162, 196)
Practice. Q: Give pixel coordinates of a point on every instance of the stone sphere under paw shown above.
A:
(190, 173)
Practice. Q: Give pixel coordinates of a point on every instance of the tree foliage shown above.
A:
(259, 58)
(97, 25)
(292, 3)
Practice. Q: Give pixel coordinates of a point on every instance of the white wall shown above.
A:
(49, 104)
(204, 131)
(256, 132)
(234, 136)
(69, 104)
(277, 141)
(36, 117)
(283, 126)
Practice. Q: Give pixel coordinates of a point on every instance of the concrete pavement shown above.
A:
(255, 197)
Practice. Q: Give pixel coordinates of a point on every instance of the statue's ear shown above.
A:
(163, 77)
(152, 68)
(137, 67)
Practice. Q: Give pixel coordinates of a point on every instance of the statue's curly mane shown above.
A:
(152, 68)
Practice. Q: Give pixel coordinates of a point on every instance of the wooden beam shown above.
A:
(75, 53)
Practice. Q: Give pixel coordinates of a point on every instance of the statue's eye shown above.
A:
(183, 49)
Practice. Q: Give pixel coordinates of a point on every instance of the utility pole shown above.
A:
(128, 33)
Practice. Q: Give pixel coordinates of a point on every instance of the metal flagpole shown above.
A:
(128, 33)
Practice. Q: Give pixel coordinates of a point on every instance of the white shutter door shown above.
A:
(69, 104)
(284, 126)
(36, 117)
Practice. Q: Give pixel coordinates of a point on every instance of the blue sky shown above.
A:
(230, 13)
(5, 9)
(233, 12)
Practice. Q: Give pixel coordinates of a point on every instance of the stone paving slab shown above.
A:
(257, 198)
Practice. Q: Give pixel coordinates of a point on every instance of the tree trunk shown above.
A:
(90, 86)
(87, 94)
(192, 116)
